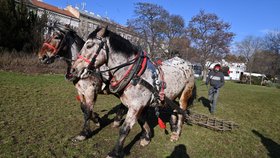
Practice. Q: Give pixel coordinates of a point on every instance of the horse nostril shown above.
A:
(73, 70)
(44, 57)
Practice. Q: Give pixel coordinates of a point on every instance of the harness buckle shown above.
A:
(135, 81)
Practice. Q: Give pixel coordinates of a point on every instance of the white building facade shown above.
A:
(54, 14)
(235, 70)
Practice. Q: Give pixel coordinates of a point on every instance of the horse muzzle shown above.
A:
(71, 77)
(47, 60)
(83, 73)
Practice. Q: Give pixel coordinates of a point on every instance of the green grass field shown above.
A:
(39, 115)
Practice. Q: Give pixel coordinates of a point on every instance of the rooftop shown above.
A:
(52, 8)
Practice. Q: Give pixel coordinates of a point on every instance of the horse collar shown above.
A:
(136, 69)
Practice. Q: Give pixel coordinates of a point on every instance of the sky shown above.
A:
(247, 17)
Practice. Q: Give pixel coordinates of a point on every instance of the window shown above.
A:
(90, 25)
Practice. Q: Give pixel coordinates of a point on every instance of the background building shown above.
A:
(54, 14)
(89, 22)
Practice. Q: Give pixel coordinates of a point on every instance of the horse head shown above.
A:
(93, 54)
(55, 44)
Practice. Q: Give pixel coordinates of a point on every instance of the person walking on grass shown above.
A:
(216, 80)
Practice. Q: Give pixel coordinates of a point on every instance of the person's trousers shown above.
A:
(213, 94)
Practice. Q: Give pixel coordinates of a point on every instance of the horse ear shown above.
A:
(60, 30)
(98, 27)
(102, 32)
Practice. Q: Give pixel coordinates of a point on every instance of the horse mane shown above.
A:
(117, 42)
(71, 37)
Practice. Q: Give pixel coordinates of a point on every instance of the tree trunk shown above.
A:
(205, 71)
(250, 78)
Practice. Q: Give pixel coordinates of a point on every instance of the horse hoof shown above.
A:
(174, 137)
(97, 124)
(116, 124)
(113, 154)
(144, 142)
(79, 138)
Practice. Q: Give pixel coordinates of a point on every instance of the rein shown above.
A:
(50, 46)
(136, 65)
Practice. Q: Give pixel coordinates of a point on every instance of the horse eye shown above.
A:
(89, 46)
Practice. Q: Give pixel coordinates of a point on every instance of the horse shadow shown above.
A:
(205, 102)
(152, 122)
(180, 151)
(105, 121)
(272, 147)
(165, 115)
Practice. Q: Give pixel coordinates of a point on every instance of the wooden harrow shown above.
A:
(210, 122)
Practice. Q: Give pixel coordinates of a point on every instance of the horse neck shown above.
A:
(117, 59)
(75, 48)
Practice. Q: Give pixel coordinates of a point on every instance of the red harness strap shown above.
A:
(50, 47)
(47, 44)
(115, 83)
(161, 93)
(83, 58)
(143, 65)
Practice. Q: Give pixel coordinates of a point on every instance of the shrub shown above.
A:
(256, 80)
(28, 63)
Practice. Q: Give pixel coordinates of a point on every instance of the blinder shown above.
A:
(100, 47)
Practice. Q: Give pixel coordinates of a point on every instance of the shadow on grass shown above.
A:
(165, 114)
(105, 121)
(180, 151)
(205, 102)
(132, 143)
(272, 147)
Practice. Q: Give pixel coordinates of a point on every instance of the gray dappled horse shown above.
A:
(65, 44)
(137, 81)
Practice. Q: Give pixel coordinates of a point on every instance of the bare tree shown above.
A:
(178, 47)
(174, 36)
(234, 58)
(272, 44)
(210, 36)
(264, 62)
(148, 19)
(272, 41)
(247, 48)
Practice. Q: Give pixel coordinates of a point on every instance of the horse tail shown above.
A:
(193, 96)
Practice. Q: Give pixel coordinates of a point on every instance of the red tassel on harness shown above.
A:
(78, 98)
(161, 124)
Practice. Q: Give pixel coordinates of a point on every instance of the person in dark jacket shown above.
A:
(216, 80)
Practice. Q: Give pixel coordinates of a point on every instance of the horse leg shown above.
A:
(91, 97)
(87, 102)
(119, 115)
(173, 121)
(95, 118)
(85, 133)
(130, 120)
(146, 131)
(186, 95)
